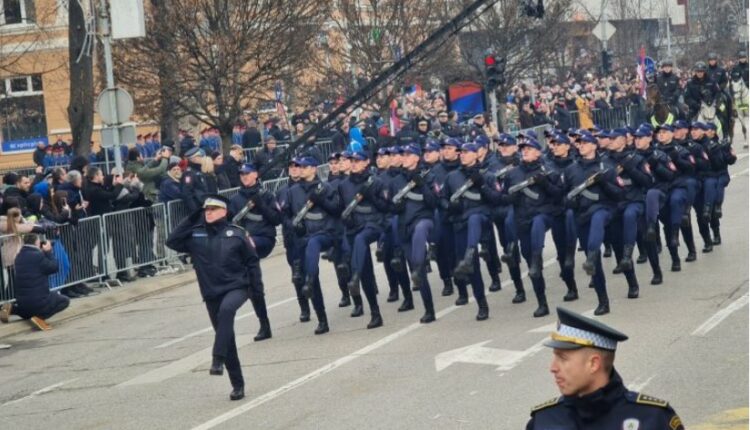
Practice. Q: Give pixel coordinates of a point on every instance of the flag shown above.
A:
(642, 71)
(395, 122)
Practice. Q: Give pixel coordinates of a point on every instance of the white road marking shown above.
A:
(740, 173)
(178, 367)
(39, 392)
(720, 316)
(210, 329)
(502, 359)
(638, 386)
(317, 373)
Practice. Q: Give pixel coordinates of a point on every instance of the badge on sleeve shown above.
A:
(188, 178)
(692, 159)
(230, 233)
(620, 182)
(671, 166)
(631, 424)
(647, 168)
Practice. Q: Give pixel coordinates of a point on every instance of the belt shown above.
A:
(414, 196)
(473, 196)
(314, 216)
(530, 194)
(363, 209)
(254, 217)
(589, 195)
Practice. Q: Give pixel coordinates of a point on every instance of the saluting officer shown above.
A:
(534, 190)
(227, 268)
(258, 213)
(415, 202)
(313, 207)
(593, 193)
(365, 197)
(593, 395)
(194, 184)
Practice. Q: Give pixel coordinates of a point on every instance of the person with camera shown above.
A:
(150, 173)
(34, 264)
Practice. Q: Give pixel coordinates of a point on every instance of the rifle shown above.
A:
(241, 214)
(500, 174)
(357, 199)
(525, 184)
(306, 208)
(464, 188)
(585, 184)
(408, 187)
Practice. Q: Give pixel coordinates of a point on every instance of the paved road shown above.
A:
(145, 364)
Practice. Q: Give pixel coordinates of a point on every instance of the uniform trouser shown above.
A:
(619, 233)
(671, 230)
(264, 245)
(692, 186)
(721, 185)
(462, 237)
(361, 261)
(693, 194)
(506, 230)
(489, 241)
(703, 224)
(416, 251)
(564, 236)
(655, 199)
(709, 190)
(221, 311)
(649, 248)
(678, 201)
(532, 243)
(395, 278)
(316, 244)
(446, 251)
(591, 234)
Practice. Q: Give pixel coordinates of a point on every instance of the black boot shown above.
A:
(603, 307)
(297, 273)
(495, 286)
(717, 211)
(379, 252)
(407, 305)
(708, 246)
(520, 296)
(392, 296)
(633, 290)
(397, 262)
(354, 286)
(717, 236)
(322, 324)
(674, 238)
(307, 289)
(656, 279)
(706, 214)
(416, 278)
(510, 257)
(238, 393)
(217, 366)
(570, 257)
(432, 252)
(484, 309)
(483, 252)
(342, 270)
(429, 314)
(626, 264)
(375, 320)
(617, 270)
(572, 293)
(465, 267)
(676, 267)
(607, 250)
(535, 267)
(691, 256)
(447, 287)
(651, 233)
(265, 330)
(685, 220)
(304, 306)
(589, 266)
(642, 258)
(345, 301)
(462, 299)
(357, 309)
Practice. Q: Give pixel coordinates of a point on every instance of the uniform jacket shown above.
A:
(265, 215)
(223, 255)
(478, 199)
(323, 216)
(543, 197)
(604, 194)
(371, 210)
(669, 87)
(693, 96)
(634, 173)
(684, 162)
(195, 186)
(419, 203)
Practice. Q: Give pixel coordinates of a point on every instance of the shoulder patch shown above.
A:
(644, 399)
(676, 423)
(547, 404)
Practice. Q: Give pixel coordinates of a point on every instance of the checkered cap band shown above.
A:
(598, 340)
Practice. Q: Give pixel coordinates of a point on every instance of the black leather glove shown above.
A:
(417, 179)
(318, 196)
(300, 229)
(400, 206)
(540, 179)
(477, 178)
(455, 206)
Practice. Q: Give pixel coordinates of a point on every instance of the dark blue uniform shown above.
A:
(722, 156)
(387, 247)
(340, 253)
(611, 407)
(695, 190)
(442, 233)
(314, 234)
(673, 212)
(564, 234)
(195, 186)
(534, 208)
(228, 269)
(293, 260)
(261, 220)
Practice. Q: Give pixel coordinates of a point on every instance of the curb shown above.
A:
(119, 296)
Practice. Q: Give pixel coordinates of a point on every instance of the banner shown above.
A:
(19, 146)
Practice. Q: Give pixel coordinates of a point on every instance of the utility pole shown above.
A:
(669, 31)
(106, 37)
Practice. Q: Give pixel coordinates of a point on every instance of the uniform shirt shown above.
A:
(609, 408)
(223, 255)
(323, 216)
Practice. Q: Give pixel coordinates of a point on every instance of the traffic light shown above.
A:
(606, 62)
(494, 67)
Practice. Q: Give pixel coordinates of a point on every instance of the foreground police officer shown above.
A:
(226, 265)
(593, 394)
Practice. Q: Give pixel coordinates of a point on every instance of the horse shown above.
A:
(716, 110)
(741, 102)
(657, 111)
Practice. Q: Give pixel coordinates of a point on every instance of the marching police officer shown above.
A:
(706, 196)
(258, 213)
(594, 396)
(366, 203)
(339, 165)
(534, 190)
(414, 200)
(668, 83)
(194, 184)
(699, 158)
(313, 207)
(722, 155)
(227, 268)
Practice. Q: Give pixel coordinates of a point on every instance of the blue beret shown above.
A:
(247, 168)
(530, 142)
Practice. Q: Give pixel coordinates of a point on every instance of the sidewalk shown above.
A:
(129, 292)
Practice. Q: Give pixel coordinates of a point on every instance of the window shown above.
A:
(21, 86)
(17, 12)
(36, 83)
(18, 85)
(22, 114)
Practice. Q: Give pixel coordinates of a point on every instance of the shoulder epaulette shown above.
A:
(547, 404)
(645, 399)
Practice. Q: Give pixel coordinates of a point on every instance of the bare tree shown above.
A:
(81, 107)
(222, 57)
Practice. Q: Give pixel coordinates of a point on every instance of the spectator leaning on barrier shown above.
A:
(34, 301)
(148, 173)
(101, 198)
